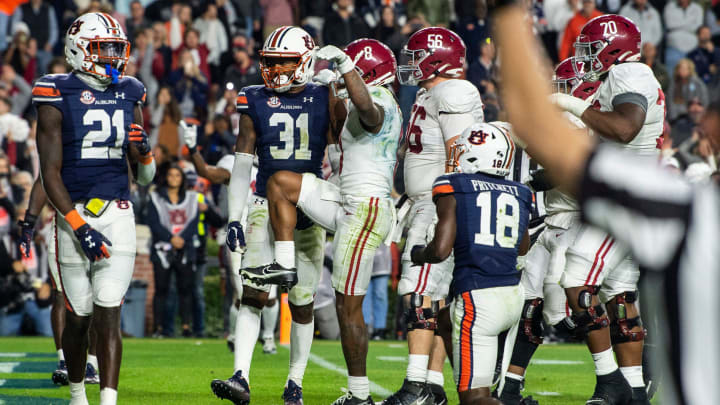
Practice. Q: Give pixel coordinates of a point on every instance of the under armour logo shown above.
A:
(120, 95)
(307, 99)
(89, 241)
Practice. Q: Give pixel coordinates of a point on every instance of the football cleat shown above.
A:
(350, 399)
(411, 393)
(91, 375)
(231, 346)
(611, 389)
(235, 389)
(269, 346)
(639, 396)
(438, 394)
(272, 273)
(60, 376)
(292, 394)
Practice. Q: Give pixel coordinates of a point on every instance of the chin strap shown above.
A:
(112, 72)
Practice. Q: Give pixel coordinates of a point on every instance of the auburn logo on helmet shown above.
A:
(309, 43)
(75, 27)
(477, 137)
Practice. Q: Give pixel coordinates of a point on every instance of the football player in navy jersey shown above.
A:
(89, 132)
(286, 123)
(484, 218)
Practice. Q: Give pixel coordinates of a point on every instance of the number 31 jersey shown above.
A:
(291, 129)
(94, 141)
(492, 216)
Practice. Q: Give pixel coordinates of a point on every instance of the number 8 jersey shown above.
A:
(93, 132)
(291, 129)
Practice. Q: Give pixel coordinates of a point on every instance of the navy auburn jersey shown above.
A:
(94, 139)
(291, 129)
(492, 217)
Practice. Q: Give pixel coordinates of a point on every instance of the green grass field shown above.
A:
(179, 371)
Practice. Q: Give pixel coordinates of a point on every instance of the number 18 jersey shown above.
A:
(94, 141)
(492, 216)
(291, 129)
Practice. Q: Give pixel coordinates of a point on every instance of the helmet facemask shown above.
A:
(452, 165)
(408, 71)
(279, 71)
(586, 58)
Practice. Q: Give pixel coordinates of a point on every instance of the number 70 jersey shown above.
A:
(291, 129)
(94, 140)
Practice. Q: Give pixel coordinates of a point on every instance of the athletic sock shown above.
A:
(359, 386)
(634, 376)
(249, 319)
(77, 393)
(523, 351)
(108, 396)
(435, 377)
(301, 337)
(269, 320)
(61, 355)
(232, 322)
(514, 376)
(285, 253)
(513, 384)
(417, 367)
(604, 362)
(92, 360)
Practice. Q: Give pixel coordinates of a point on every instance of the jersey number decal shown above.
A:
(507, 217)
(414, 132)
(94, 144)
(435, 41)
(287, 136)
(609, 28)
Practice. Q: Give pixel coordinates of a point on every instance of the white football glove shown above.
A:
(566, 102)
(189, 135)
(325, 77)
(335, 55)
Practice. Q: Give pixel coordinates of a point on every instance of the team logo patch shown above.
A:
(273, 102)
(86, 97)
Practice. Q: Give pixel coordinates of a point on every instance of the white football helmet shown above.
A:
(292, 43)
(96, 44)
(484, 147)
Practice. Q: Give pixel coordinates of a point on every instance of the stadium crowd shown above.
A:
(193, 57)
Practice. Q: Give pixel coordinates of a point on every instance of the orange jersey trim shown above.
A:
(45, 92)
(442, 189)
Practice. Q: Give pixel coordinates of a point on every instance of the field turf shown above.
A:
(179, 371)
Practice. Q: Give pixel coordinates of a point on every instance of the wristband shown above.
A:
(74, 219)
(146, 159)
(30, 219)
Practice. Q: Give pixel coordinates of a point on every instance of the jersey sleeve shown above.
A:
(226, 162)
(46, 91)
(138, 91)
(630, 84)
(243, 101)
(442, 186)
(459, 106)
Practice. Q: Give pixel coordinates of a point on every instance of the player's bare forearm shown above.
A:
(524, 244)
(549, 137)
(620, 125)
(442, 244)
(338, 113)
(370, 114)
(215, 175)
(49, 143)
(38, 198)
(245, 142)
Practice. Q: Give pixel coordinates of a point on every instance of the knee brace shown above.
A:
(531, 321)
(592, 317)
(620, 328)
(418, 317)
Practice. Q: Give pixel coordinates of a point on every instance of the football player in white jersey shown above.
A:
(360, 211)
(545, 263)
(444, 106)
(629, 110)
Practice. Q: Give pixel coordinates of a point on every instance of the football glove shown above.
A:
(333, 54)
(235, 239)
(139, 137)
(415, 256)
(189, 135)
(27, 232)
(571, 104)
(93, 243)
(325, 77)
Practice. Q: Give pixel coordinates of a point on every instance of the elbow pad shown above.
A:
(239, 186)
(146, 172)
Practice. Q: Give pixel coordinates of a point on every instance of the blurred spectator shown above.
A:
(143, 54)
(647, 19)
(342, 25)
(189, 84)
(173, 221)
(389, 31)
(214, 37)
(175, 28)
(58, 65)
(705, 57)
(609, 6)
(712, 20)
(42, 24)
(198, 51)
(471, 25)
(312, 13)
(684, 125)
(649, 57)
(22, 181)
(218, 140)
(164, 119)
(682, 19)
(586, 13)
(22, 53)
(244, 71)
(14, 89)
(162, 59)
(684, 86)
(436, 13)
(249, 15)
(137, 21)
(483, 69)
(375, 305)
(277, 13)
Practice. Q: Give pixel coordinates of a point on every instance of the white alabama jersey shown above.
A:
(625, 82)
(368, 160)
(438, 115)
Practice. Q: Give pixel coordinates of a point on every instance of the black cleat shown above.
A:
(272, 273)
(639, 396)
(411, 393)
(234, 388)
(511, 392)
(350, 399)
(292, 394)
(611, 389)
(438, 393)
(60, 376)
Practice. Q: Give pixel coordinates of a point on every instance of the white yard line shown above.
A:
(8, 367)
(548, 393)
(13, 354)
(393, 358)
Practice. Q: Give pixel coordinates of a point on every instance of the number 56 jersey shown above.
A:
(492, 216)
(94, 142)
(291, 129)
